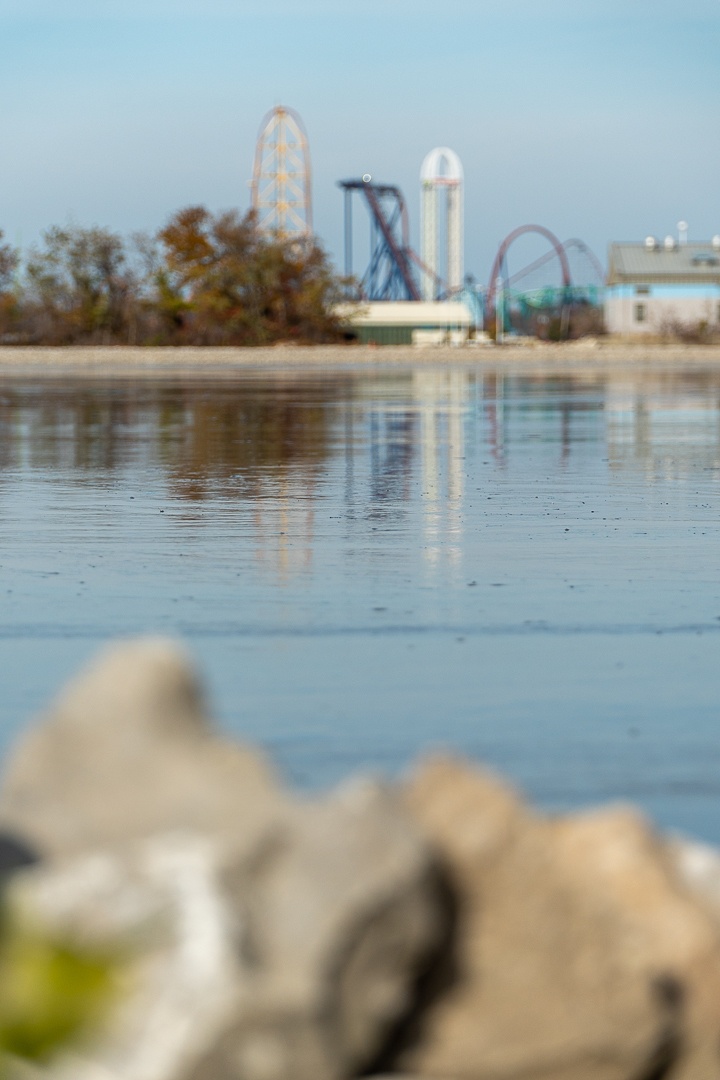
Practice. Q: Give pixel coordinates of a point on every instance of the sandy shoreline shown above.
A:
(120, 361)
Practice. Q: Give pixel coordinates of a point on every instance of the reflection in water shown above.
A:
(494, 412)
(203, 435)
(231, 437)
(272, 442)
(275, 442)
(371, 561)
(442, 399)
(666, 430)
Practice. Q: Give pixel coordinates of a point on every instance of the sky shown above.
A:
(595, 120)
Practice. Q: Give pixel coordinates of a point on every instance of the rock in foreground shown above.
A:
(261, 937)
(435, 929)
(127, 751)
(581, 953)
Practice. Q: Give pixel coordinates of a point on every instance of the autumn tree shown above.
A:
(204, 279)
(9, 261)
(8, 264)
(223, 282)
(79, 289)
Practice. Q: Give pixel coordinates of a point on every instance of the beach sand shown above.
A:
(536, 358)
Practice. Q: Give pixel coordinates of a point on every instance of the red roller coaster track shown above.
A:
(503, 250)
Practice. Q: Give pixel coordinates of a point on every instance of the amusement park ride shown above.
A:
(281, 184)
(521, 300)
(390, 274)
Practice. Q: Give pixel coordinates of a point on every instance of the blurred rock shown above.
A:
(581, 952)
(698, 866)
(127, 751)
(341, 912)
(15, 853)
(441, 929)
(158, 911)
(290, 966)
(268, 938)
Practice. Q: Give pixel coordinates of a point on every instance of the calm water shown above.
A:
(367, 564)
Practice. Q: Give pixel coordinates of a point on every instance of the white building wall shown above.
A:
(448, 314)
(622, 313)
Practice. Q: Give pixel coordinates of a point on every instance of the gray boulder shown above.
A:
(581, 951)
(127, 751)
(340, 912)
(291, 965)
(265, 937)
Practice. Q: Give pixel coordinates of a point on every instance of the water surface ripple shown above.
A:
(371, 563)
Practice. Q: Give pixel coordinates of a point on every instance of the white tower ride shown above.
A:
(441, 170)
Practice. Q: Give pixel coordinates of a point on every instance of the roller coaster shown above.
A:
(523, 301)
(390, 274)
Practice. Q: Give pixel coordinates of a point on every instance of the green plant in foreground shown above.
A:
(51, 993)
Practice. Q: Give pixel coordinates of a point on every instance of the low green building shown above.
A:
(410, 322)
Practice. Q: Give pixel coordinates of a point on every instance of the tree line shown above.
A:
(204, 279)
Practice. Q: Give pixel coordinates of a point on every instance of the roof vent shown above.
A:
(651, 243)
(670, 243)
(716, 243)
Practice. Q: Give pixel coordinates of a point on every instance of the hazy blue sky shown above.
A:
(597, 120)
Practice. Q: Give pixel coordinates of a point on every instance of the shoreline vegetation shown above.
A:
(216, 281)
(204, 279)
